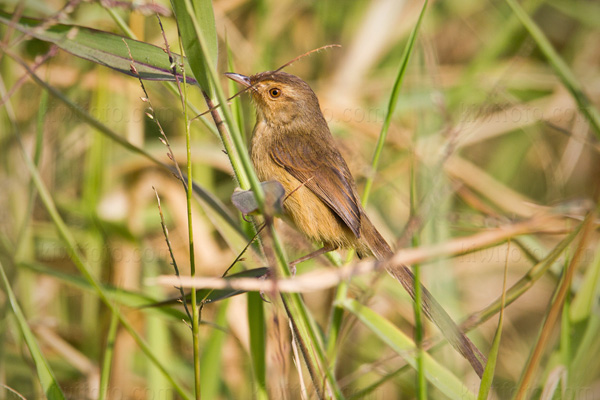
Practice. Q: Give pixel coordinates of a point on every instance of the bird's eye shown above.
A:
(275, 92)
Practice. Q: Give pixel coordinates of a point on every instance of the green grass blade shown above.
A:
(236, 104)
(104, 48)
(108, 356)
(560, 67)
(46, 376)
(392, 103)
(202, 24)
(258, 340)
(211, 363)
(488, 373)
(586, 298)
(438, 375)
(585, 359)
(587, 12)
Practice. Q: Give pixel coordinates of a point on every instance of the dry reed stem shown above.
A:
(326, 278)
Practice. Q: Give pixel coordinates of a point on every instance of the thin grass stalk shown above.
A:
(171, 254)
(107, 358)
(195, 314)
(421, 382)
(195, 308)
(392, 105)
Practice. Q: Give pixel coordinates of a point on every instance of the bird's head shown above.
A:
(281, 99)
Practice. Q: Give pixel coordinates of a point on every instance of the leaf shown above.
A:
(245, 201)
(436, 374)
(196, 22)
(104, 48)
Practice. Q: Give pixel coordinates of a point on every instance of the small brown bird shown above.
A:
(292, 144)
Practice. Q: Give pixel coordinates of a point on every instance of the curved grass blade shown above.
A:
(104, 48)
(562, 70)
(45, 374)
(436, 374)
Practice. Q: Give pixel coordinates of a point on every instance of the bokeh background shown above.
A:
(485, 135)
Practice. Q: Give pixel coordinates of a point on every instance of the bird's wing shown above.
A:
(320, 167)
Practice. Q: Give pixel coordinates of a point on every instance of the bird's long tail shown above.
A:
(432, 309)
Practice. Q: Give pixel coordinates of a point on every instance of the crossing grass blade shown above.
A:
(436, 374)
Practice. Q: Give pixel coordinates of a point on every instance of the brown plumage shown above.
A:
(292, 144)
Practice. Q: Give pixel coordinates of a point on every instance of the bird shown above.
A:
(291, 143)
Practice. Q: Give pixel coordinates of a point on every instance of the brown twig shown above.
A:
(326, 278)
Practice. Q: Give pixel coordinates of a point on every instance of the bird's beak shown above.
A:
(239, 78)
